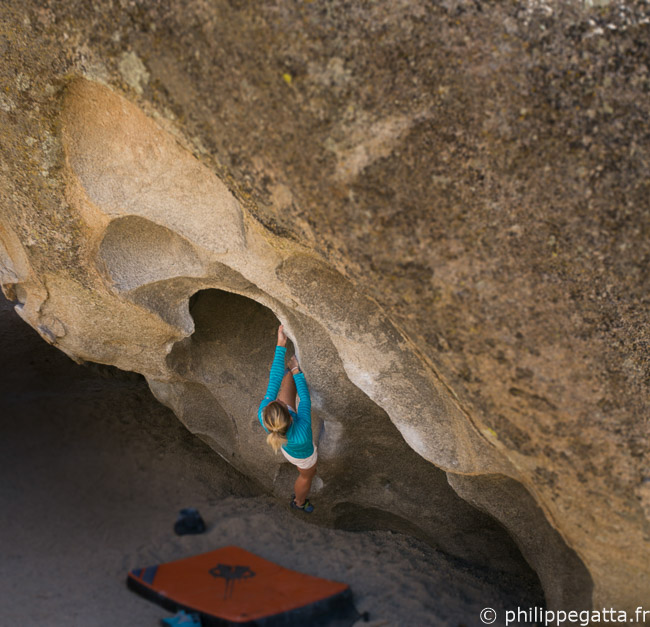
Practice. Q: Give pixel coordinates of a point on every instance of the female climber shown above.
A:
(290, 431)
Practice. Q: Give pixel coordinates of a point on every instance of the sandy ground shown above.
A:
(93, 472)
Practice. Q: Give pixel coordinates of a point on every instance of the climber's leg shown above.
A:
(287, 393)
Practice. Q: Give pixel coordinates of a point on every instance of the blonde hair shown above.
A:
(277, 420)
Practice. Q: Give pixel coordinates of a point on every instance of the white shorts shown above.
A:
(303, 464)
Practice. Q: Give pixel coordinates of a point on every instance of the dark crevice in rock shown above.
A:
(563, 575)
(112, 372)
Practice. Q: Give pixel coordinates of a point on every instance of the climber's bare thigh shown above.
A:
(287, 393)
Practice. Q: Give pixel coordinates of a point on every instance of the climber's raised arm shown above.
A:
(277, 367)
(304, 408)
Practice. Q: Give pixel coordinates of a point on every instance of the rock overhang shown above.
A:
(495, 418)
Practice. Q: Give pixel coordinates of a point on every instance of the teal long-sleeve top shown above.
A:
(299, 436)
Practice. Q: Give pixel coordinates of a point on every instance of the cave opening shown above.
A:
(227, 359)
(370, 479)
(242, 328)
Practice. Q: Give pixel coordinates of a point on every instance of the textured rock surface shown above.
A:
(446, 205)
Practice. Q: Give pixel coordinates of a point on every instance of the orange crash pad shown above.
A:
(231, 586)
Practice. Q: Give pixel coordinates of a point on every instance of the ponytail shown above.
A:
(275, 440)
(277, 420)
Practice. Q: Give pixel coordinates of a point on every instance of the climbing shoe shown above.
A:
(306, 507)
